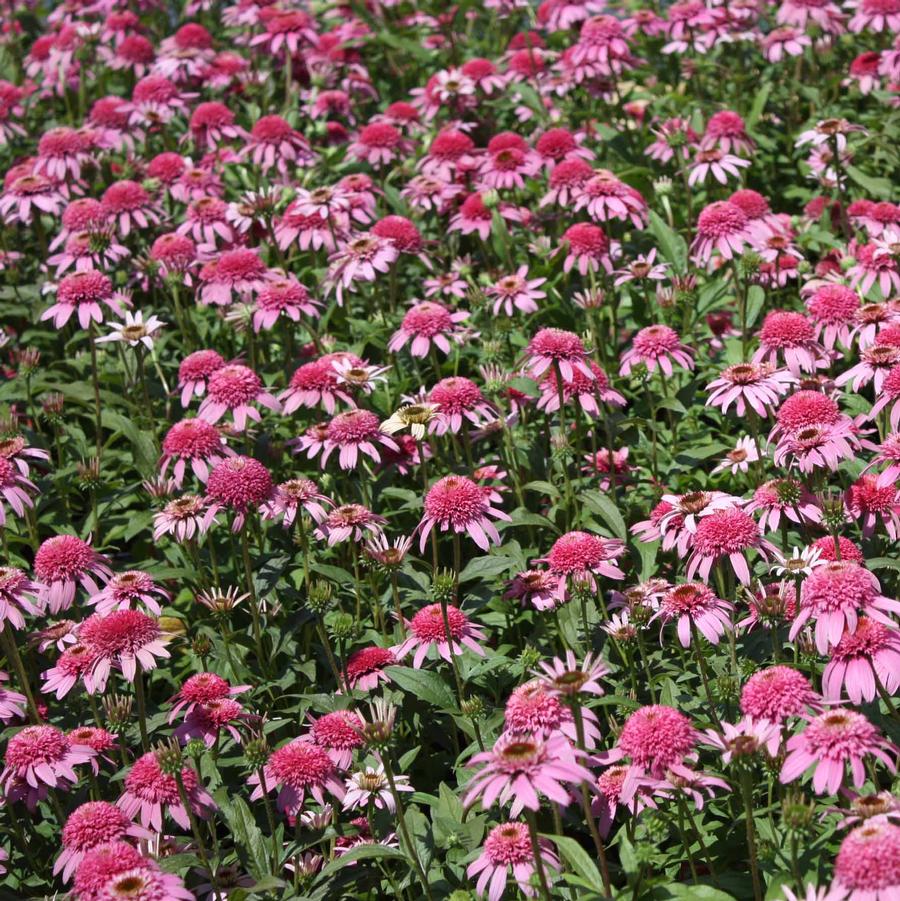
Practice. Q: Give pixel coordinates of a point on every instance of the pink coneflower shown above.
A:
(297, 768)
(784, 42)
(727, 131)
(195, 442)
(425, 324)
(359, 259)
(724, 227)
(101, 864)
(194, 373)
(656, 738)
(875, 365)
(38, 758)
(552, 347)
(145, 882)
(726, 533)
(507, 852)
(89, 826)
(758, 386)
(293, 497)
(716, 162)
(206, 722)
(834, 595)
(353, 433)
(176, 255)
(587, 247)
(449, 151)
(875, 264)
(282, 297)
(365, 667)
(829, 742)
(871, 320)
(818, 445)
(656, 346)
(149, 793)
(12, 703)
(868, 503)
(317, 383)
(62, 152)
(426, 632)
(609, 465)
(127, 639)
(212, 123)
(621, 786)
(509, 161)
(679, 520)
(889, 396)
(234, 274)
(473, 217)
(83, 292)
(233, 388)
(458, 504)
(75, 662)
(604, 197)
(519, 767)
(695, 606)
(875, 16)
(458, 400)
(842, 549)
(129, 206)
(18, 595)
(202, 688)
(238, 483)
(183, 518)
(206, 221)
(641, 269)
(379, 144)
(99, 740)
(29, 196)
(580, 556)
(565, 678)
(833, 309)
(532, 710)
(589, 392)
(353, 521)
(783, 497)
(566, 181)
(537, 587)
(339, 733)
(60, 564)
(516, 292)
(792, 337)
(887, 456)
(124, 589)
(870, 652)
(273, 142)
(868, 863)
(778, 693)
(404, 234)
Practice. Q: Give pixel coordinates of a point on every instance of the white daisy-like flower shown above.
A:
(801, 562)
(371, 784)
(414, 417)
(134, 330)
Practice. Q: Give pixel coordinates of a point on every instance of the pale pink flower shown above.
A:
(507, 851)
(753, 385)
(657, 346)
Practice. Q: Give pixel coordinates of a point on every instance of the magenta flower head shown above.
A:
(727, 533)
(757, 386)
(657, 346)
(831, 741)
(149, 793)
(101, 864)
(724, 227)
(60, 564)
(507, 851)
(298, 768)
(365, 667)
(18, 596)
(234, 389)
(38, 758)
(426, 324)
(194, 373)
(833, 309)
(353, 433)
(458, 400)
(339, 733)
(239, 484)
(427, 631)
(456, 503)
(553, 347)
(127, 639)
(777, 694)
(789, 336)
(193, 442)
(868, 863)
(695, 606)
(82, 292)
(871, 652)
(532, 709)
(89, 826)
(580, 556)
(519, 768)
(834, 595)
(130, 588)
(203, 688)
(656, 738)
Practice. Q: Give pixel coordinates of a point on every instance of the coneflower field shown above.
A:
(450, 452)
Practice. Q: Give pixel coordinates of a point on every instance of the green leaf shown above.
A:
(671, 245)
(697, 893)
(577, 858)
(884, 563)
(246, 833)
(361, 852)
(878, 187)
(756, 300)
(627, 856)
(423, 684)
(601, 505)
(486, 567)
(759, 105)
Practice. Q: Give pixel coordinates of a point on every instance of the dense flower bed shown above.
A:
(450, 451)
